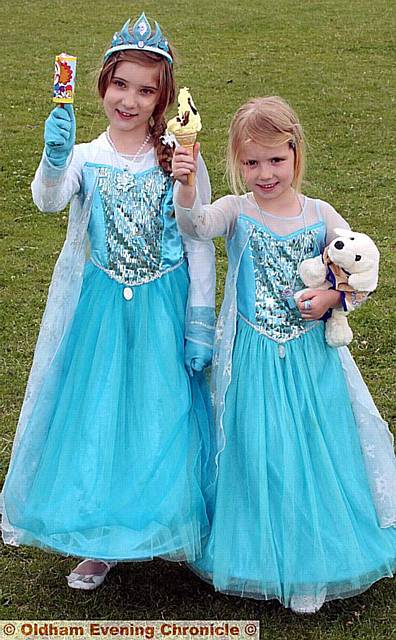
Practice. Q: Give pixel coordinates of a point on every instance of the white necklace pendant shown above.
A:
(288, 295)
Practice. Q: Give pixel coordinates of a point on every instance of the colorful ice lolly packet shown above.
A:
(64, 78)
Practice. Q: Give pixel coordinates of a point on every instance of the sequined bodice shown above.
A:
(133, 221)
(272, 262)
(132, 234)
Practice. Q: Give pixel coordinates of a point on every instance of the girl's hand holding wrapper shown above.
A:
(60, 126)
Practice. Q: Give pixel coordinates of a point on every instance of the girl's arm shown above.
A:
(195, 218)
(201, 255)
(332, 220)
(201, 317)
(349, 301)
(323, 300)
(53, 187)
(57, 178)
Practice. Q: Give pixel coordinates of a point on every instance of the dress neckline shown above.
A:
(272, 233)
(272, 215)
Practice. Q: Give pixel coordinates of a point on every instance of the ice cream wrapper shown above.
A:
(64, 78)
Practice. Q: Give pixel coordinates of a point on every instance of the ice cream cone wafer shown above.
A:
(187, 140)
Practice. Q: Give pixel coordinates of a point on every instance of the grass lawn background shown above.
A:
(334, 61)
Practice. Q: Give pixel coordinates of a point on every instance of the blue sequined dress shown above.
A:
(113, 461)
(294, 516)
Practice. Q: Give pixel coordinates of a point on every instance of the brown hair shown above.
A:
(167, 93)
(269, 121)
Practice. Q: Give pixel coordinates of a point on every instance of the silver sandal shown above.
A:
(90, 581)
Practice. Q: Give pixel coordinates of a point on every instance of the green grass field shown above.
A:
(334, 61)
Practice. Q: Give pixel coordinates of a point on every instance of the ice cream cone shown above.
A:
(185, 125)
(187, 140)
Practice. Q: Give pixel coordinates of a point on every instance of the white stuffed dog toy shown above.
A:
(350, 265)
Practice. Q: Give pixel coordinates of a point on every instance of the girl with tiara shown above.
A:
(111, 457)
(305, 507)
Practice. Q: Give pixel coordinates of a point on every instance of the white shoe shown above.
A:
(90, 581)
(306, 604)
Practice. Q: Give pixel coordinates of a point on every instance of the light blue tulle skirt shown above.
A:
(115, 461)
(293, 512)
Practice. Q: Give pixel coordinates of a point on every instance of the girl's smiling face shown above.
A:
(268, 171)
(131, 98)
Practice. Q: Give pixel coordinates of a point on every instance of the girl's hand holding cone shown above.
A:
(184, 164)
(184, 167)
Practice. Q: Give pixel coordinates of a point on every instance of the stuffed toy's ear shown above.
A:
(366, 281)
(342, 232)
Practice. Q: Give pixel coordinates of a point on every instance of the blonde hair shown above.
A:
(268, 121)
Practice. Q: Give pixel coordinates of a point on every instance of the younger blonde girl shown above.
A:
(306, 504)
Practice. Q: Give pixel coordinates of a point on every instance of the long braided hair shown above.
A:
(167, 94)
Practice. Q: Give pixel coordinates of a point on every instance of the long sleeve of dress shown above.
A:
(333, 220)
(54, 187)
(205, 221)
(201, 317)
(200, 320)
